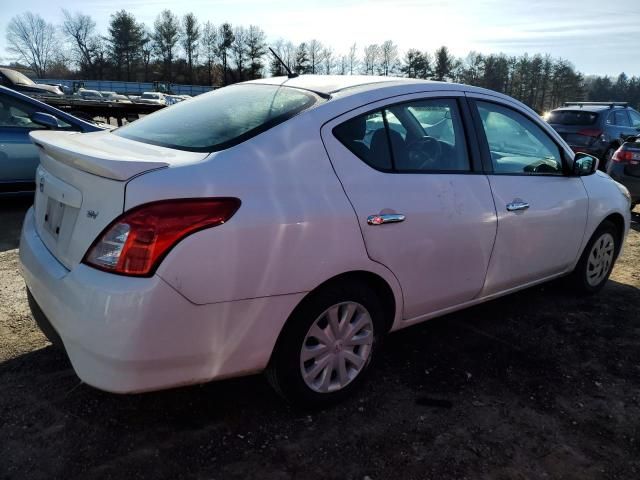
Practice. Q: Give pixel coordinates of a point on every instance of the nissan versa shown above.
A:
(288, 224)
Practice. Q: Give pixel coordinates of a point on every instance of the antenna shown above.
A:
(290, 74)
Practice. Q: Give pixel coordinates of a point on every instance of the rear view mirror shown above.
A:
(584, 164)
(45, 119)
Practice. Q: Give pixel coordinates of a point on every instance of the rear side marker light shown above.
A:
(135, 243)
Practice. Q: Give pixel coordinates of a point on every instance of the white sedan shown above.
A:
(288, 224)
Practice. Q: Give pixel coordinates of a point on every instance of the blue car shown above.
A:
(19, 115)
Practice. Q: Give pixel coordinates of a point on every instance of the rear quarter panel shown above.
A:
(294, 230)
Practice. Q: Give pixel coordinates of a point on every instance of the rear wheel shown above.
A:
(598, 258)
(327, 345)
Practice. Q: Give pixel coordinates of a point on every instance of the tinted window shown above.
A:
(620, 118)
(571, 117)
(517, 144)
(366, 137)
(635, 118)
(425, 136)
(15, 113)
(219, 119)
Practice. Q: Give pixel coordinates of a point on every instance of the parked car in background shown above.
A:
(85, 94)
(288, 224)
(173, 99)
(154, 98)
(19, 158)
(596, 128)
(21, 83)
(116, 97)
(624, 167)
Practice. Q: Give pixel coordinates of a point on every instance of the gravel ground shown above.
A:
(539, 384)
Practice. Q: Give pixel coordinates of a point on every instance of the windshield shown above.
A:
(17, 78)
(220, 119)
(572, 117)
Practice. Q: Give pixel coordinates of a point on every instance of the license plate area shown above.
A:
(53, 217)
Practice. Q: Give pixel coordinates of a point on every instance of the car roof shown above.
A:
(588, 108)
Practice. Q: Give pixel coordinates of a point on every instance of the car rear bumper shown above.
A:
(125, 334)
(616, 171)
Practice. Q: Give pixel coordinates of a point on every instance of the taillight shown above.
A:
(626, 156)
(136, 242)
(590, 132)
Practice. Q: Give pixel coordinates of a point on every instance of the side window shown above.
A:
(635, 119)
(366, 137)
(411, 137)
(14, 113)
(517, 145)
(620, 118)
(434, 141)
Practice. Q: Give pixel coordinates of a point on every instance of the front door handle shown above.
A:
(515, 206)
(385, 218)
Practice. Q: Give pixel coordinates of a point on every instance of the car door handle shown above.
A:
(385, 218)
(515, 206)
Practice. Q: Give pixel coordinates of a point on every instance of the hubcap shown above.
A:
(600, 259)
(337, 347)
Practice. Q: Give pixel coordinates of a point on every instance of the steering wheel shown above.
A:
(424, 152)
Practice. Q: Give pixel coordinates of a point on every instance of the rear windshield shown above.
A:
(219, 119)
(572, 117)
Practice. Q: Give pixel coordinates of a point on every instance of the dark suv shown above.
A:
(596, 128)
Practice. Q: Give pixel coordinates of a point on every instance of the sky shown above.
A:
(598, 37)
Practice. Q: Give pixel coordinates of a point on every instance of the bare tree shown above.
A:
(80, 31)
(225, 40)
(189, 39)
(371, 58)
(239, 50)
(353, 58)
(388, 58)
(328, 60)
(33, 39)
(314, 50)
(209, 45)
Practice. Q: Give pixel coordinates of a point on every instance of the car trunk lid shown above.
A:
(80, 185)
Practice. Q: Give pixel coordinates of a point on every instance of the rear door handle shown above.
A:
(385, 218)
(515, 206)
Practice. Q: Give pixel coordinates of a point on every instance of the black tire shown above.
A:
(284, 370)
(579, 277)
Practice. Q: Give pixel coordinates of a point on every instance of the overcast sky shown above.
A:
(598, 37)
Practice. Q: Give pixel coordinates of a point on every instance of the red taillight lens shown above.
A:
(626, 156)
(135, 243)
(590, 132)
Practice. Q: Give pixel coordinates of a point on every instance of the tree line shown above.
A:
(187, 50)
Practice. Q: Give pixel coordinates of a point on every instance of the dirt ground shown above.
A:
(539, 384)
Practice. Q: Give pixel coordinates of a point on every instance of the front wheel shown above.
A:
(596, 262)
(327, 345)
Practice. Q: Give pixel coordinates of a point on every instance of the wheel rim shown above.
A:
(600, 259)
(337, 347)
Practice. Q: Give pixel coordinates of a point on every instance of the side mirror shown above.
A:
(45, 119)
(584, 164)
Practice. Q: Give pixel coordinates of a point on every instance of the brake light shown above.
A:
(135, 243)
(626, 156)
(590, 132)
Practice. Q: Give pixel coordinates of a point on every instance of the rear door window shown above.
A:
(619, 118)
(220, 119)
(409, 137)
(635, 119)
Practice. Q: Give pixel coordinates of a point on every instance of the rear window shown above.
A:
(219, 119)
(572, 117)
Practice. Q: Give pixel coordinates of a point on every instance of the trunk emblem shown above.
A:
(92, 214)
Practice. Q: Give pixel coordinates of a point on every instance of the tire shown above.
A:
(597, 260)
(359, 316)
